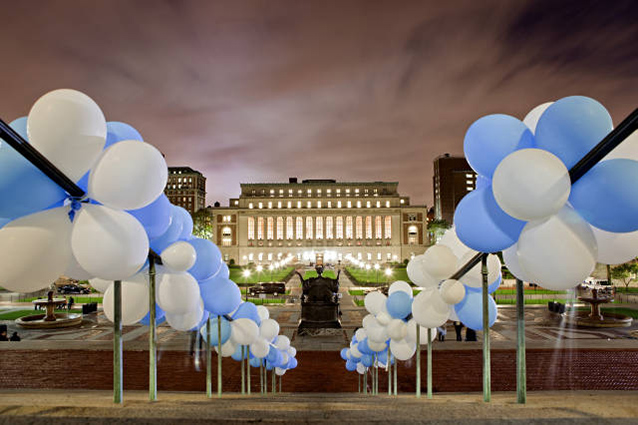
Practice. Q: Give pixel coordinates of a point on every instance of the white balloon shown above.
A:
(100, 285)
(187, 321)
(402, 350)
(375, 302)
(627, 149)
(452, 241)
(285, 357)
(360, 334)
(108, 243)
(377, 346)
(531, 184)
(397, 329)
(269, 329)
(179, 256)
(177, 293)
(282, 343)
(532, 117)
(383, 318)
(559, 252)
(453, 317)
(615, 248)
(400, 286)
(377, 333)
(263, 313)
(279, 371)
(474, 277)
(292, 351)
(260, 348)
(417, 274)
(134, 300)
(423, 333)
(429, 309)
(129, 175)
(243, 331)
(228, 348)
(361, 369)
(69, 129)
(510, 257)
(354, 351)
(439, 262)
(35, 250)
(452, 291)
(369, 321)
(75, 271)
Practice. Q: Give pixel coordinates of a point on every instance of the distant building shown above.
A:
(325, 219)
(186, 188)
(453, 179)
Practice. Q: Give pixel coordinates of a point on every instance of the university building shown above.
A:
(453, 179)
(186, 188)
(369, 220)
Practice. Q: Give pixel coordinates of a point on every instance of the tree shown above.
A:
(203, 223)
(626, 273)
(436, 229)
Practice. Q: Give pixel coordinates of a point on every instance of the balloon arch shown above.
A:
(553, 194)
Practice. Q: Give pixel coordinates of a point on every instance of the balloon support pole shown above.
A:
(117, 342)
(243, 373)
(487, 382)
(152, 332)
(521, 369)
(365, 382)
(248, 369)
(274, 384)
(396, 368)
(418, 360)
(388, 368)
(219, 356)
(429, 364)
(209, 361)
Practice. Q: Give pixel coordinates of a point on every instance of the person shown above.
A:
(441, 333)
(3, 333)
(458, 327)
(470, 335)
(14, 337)
(70, 304)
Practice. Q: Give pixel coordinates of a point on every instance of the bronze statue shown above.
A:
(319, 302)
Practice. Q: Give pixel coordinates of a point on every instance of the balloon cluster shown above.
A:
(551, 232)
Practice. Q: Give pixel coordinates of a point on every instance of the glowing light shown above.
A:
(246, 273)
(388, 272)
(259, 268)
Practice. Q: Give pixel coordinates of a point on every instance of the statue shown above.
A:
(319, 302)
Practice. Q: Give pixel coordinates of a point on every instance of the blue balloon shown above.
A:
(607, 197)
(247, 310)
(344, 353)
(4, 221)
(399, 305)
(187, 224)
(292, 363)
(237, 355)
(272, 354)
(571, 127)
(19, 125)
(470, 310)
(225, 328)
(223, 271)
(221, 296)
(367, 360)
(171, 235)
(363, 347)
(160, 317)
(269, 366)
(118, 131)
(492, 138)
(202, 322)
(255, 362)
(490, 289)
(351, 366)
(155, 217)
(209, 259)
(482, 181)
(382, 357)
(24, 189)
(277, 359)
(482, 225)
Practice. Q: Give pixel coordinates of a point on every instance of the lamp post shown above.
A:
(259, 269)
(367, 267)
(377, 267)
(388, 273)
(246, 274)
(271, 268)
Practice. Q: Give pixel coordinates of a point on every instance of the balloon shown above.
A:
(129, 175)
(177, 292)
(429, 309)
(224, 272)
(367, 360)
(360, 368)
(491, 288)
(470, 310)
(75, 271)
(292, 351)
(605, 197)
(179, 256)
(134, 300)
(363, 347)
(377, 333)
(351, 366)
(244, 331)
(510, 257)
(423, 333)
(360, 334)
(531, 119)
(238, 355)
(399, 305)
(19, 125)
(402, 350)
(615, 248)
(417, 274)
(627, 149)
(221, 296)
(260, 348)
(571, 127)
(186, 321)
(247, 310)
(492, 138)
(482, 225)
(452, 291)
(368, 321)
(160, 316)
(452, 241)
(269, 329)
(118, 131)
(400, 286)
(262, 311)
(383, 318)
(282, 343)
(34, 250)
(453, 317)
(171, 234)
(255, 361)
(3, 222)
(108, 243)
(187, 227)
(482, 181)
(69, 129)
(225, 331)
(209, 259)
(531, 184)
(439, 262)
(559, 252)
(155, 217)
(375, 347)
(23, 188)
(474, 277)
(374, 302)
(228, 348)
(344, 352)
(354, 351)
(397, 329)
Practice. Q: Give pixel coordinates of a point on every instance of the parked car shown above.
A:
(73, 289)
(275, 288)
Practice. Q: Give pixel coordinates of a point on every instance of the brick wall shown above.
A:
(453, 370)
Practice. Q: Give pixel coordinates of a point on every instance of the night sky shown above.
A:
(249, 91)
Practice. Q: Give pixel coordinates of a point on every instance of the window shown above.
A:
(378, 230)
(270, 228)
(349, 227)
(270, 256)
(368, 204)
(289, 204)
(338, 204)
(319, 229)
(379, 257)
(251, 228)
(358, 204)
(279, 204)
(329, 230)
(260, 228)
(389, 257)
(413, 235)
(272, 192)
(309, 204)
(378, 204)
(387, 204)
(226, 231)
(349, 204)
(251, 257)
(369, 256)
(299, 228)
(309, 193)
(269, 204)
(339, 228)
(338, 192)
(388, 227)
(261, 205)
(250, 205)
(227, 241)
(329, 204)
(359, 227)
(289, 229)
(280, 228)
(298, 204)
(368, 227)
(308, 227)
(318, 204)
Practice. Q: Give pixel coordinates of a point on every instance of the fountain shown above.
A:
(596, 294)
(50, 319)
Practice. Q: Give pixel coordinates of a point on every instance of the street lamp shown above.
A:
(377, 267)
(246, 274)
(259, 270)
(388, 272)
(271, 268)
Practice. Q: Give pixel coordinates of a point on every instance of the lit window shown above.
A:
(299, 192)
(469, 176)
(272, 191)
(358, 204)
(348, 227)
(338, 204)
(270, 256)
(329, 224)
(318, 204)
(270, 229)
(309, 204)
(289, 230)
(260, 228)
(347, 191)
(413, 234)
(389, 256)
(227, 241)
(387, 204)
(269, 204)
(279, 204)
(356, 191)
(402, 201)
(299, 228)
(359, 257)
(368, 227)
(378, 230)
(308, 227)
(338, 192)
(359, 227)
(378, 204)
(339, 228)
(251, 256)
(298, 204)
(368, 204)
(469, 182)
(319, 229)
(260, 256)
(251, 228)
(281, 192)
(289, 204)
(369, 255)
(349, 204)
(318, 192)
(289, 192)
(329, 204)
(236, 202)
(388, 227)
(261, 205)
(329, 191)
(280, 228)
(226, 231)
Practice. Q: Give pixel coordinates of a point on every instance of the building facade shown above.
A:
(370, 221)
(453, 179)
(186, 188)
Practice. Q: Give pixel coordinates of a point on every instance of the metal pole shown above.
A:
(248, 369)
(243, 374)
(261, 376)
(219, 356)
(280, 384)
(388, 368)
(152, 332)
(487, 384)
(365, 382)
(265, 379)
(274, 384)
(358, 382)
(429, 365)
(418, 360)
(117, 342)
(521, 372)
(396, 367)
(209, 360)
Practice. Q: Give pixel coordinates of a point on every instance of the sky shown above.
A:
(259, 91)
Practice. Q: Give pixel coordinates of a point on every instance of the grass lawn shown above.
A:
(237, 275)
(530, 292)
(512, 301)
(259, 301)
(623, 290)
(330, 274)
(12, 315)
(80, 299)
(370, 276)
